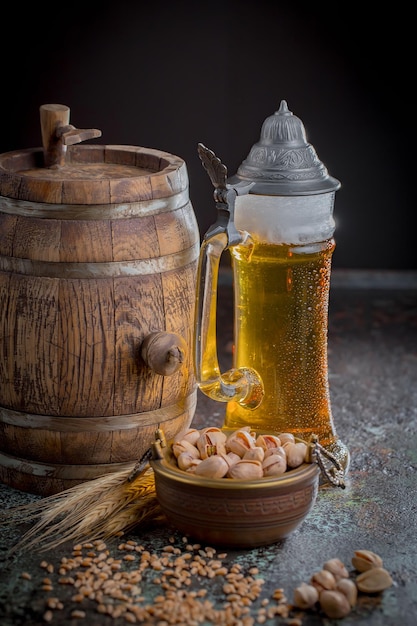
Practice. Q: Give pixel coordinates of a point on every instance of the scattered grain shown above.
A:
(114, 585)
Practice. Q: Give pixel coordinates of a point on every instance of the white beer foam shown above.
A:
(294, 220)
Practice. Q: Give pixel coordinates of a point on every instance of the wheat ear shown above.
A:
(93, 509)
(58, 504)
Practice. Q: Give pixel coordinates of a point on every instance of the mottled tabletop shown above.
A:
(372, 355)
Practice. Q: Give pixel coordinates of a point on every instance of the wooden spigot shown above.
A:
(58, 133)
(163, 352)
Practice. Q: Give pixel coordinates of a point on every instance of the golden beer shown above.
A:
(275, 216)
(280, 328)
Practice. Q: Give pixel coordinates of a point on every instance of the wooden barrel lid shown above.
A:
(65, 172)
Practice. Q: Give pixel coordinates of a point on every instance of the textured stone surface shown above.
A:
(373, 383)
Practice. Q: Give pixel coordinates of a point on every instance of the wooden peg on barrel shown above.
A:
(58, 133)
(164, 352)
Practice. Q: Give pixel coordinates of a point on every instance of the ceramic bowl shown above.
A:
(230, 512)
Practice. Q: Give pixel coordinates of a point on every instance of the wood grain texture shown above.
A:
(52, 117)
(75, 307)
(93, 174)
(43, 477)
(8, 225)
(28, 336)
(85, 241)
(37, 239)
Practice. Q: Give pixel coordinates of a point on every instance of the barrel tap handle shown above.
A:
(58, 133)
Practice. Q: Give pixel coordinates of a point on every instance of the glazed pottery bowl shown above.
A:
(230, 512)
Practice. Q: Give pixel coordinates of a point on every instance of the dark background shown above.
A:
(168, 75)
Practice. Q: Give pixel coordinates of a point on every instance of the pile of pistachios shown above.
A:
(242, 454)
(334, 592)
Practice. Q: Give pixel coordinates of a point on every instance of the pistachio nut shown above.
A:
(191, 435)
(337, 568)
(191, 468)
(279, 450)
(211, 442)
(239, 442)
(184, 446)
(296, 453)
(212, 467)
(348, 587)
(186, 460)
(363, 560)
(274, 465)
(257, 453)
(334, 603)
(323, 579)
(374, 580)
(305, 596)
(211, 429)
(217, 436)
(232, 458)
(268, 441)
(246, 469)
(286, 438)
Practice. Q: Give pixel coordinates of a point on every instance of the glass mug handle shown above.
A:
(243, 385)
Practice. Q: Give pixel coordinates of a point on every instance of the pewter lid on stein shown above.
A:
(282, 162)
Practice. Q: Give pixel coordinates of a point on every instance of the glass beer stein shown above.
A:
(275, 216)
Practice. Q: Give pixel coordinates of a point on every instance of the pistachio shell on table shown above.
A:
(305, 596)
(334, 603)
(363, 560)
(323, 579)
(348, 587)
(239, 442)
(374, 580)
(246, 470)
(337, 568)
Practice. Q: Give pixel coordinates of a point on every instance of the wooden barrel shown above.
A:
(98, 263)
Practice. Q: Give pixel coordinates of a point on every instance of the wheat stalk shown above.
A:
(135, 514)
(99, 508)
(57, 504)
